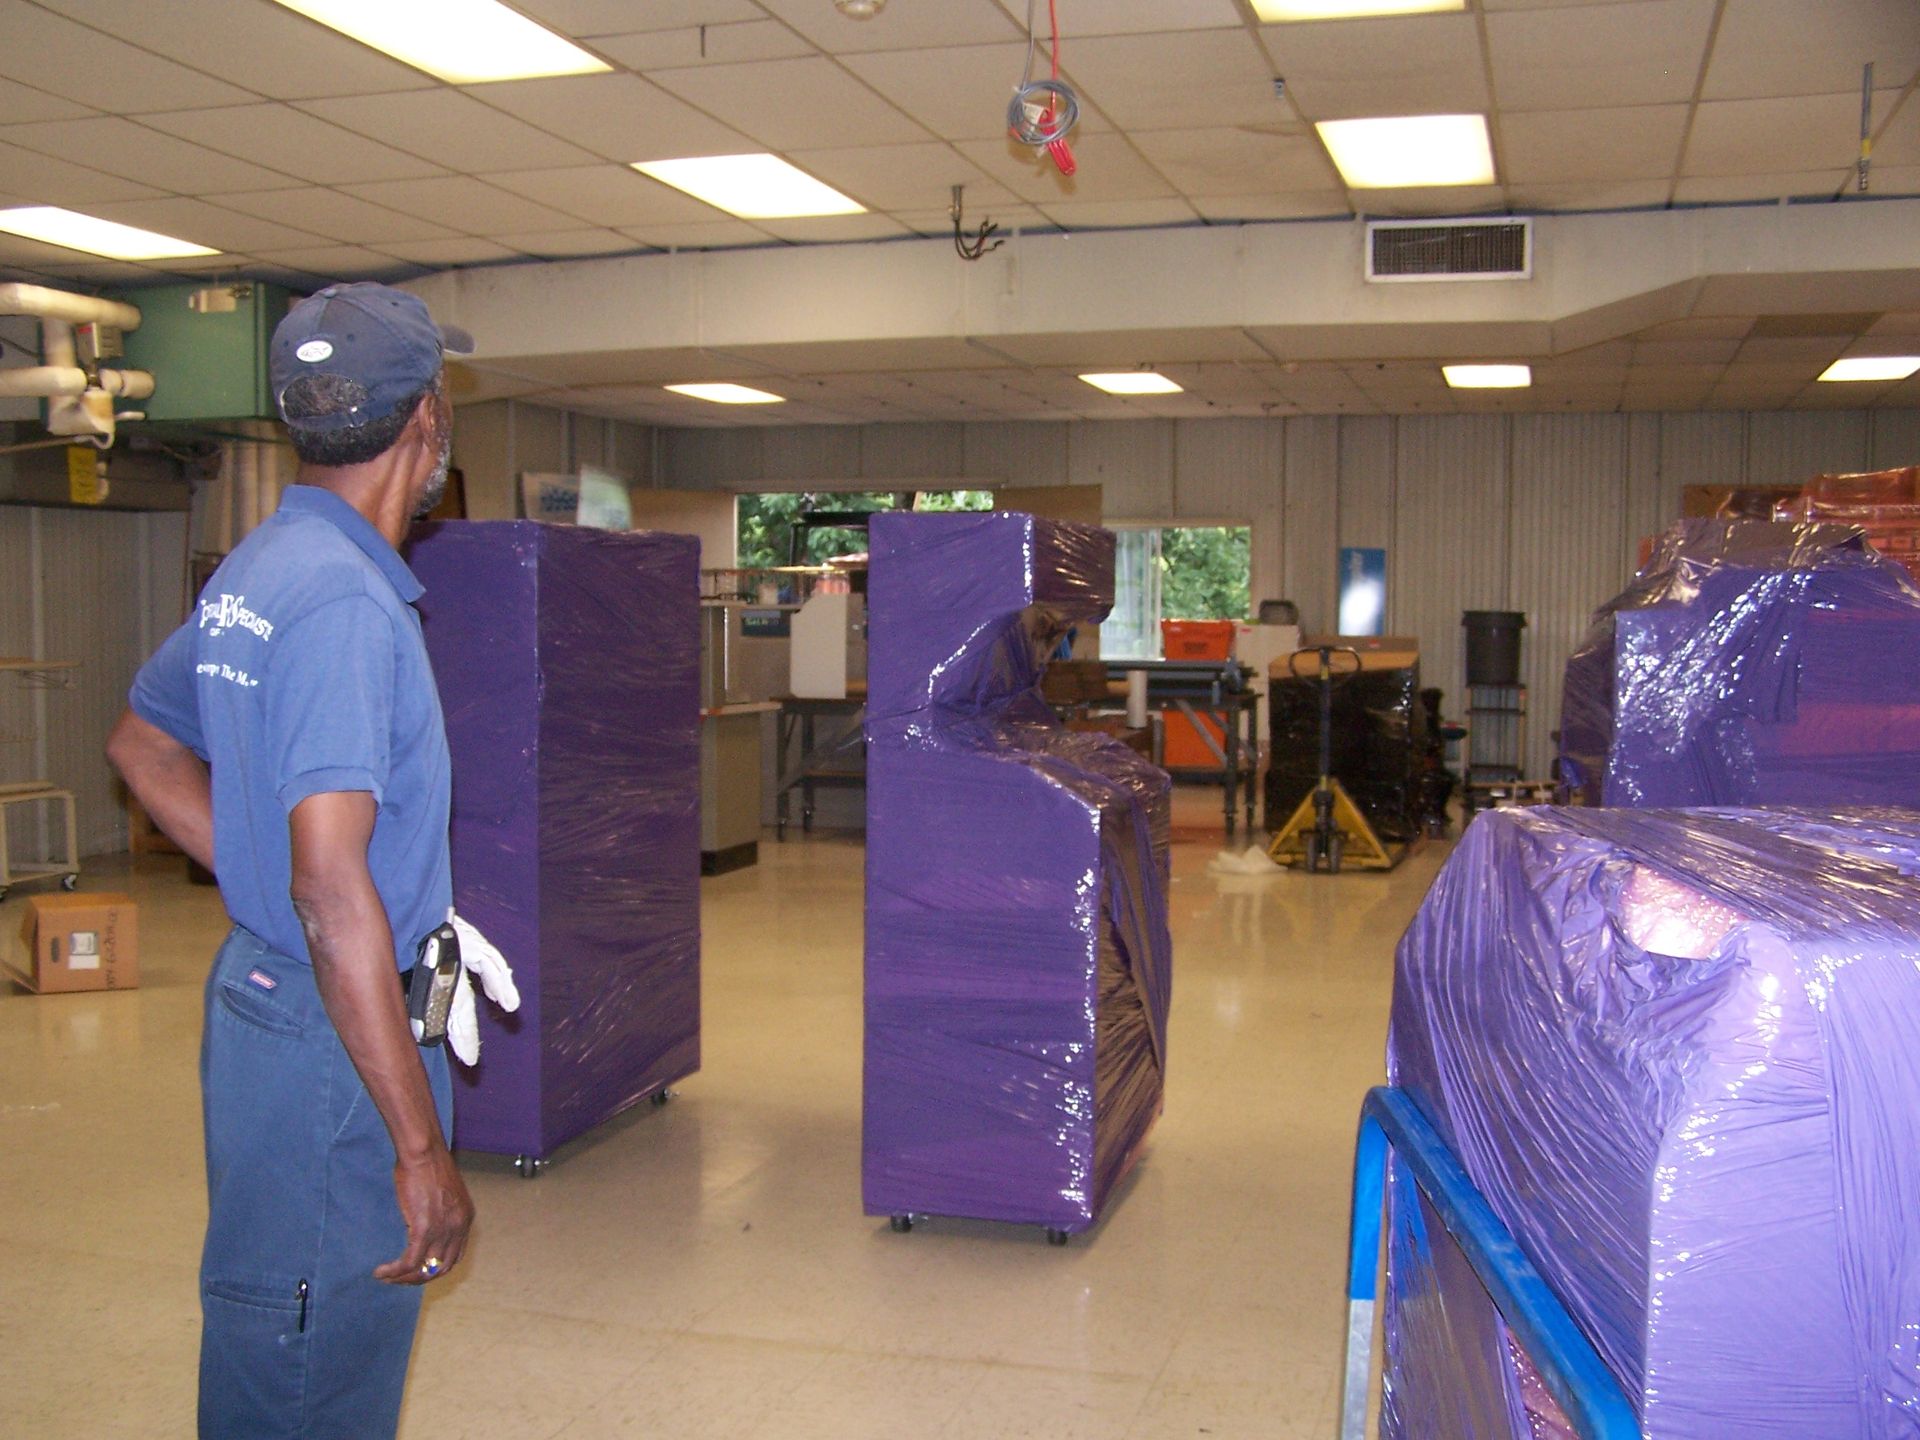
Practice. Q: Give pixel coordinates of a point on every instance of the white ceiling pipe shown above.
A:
(20, 299)
(48, 382)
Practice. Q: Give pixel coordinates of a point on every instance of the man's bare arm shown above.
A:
(353, 964)
(170, 782)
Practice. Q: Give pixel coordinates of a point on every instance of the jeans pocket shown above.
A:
(254, 1007)
(253, 1356)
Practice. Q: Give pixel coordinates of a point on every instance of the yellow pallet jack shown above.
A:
(1327, 827)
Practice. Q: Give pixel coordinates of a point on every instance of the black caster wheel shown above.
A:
(660, 1097)
(69, 882)
(780, 832)
(1313, 852)
(528, 1167)
(900, 1224)
(1336, 849)
(806, 820)
(1056, 1237)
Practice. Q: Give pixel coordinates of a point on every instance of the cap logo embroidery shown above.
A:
(314, 351)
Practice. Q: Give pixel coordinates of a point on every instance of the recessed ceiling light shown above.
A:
(1488, 377)
(464, 42)
(723, 394)
(1273, 12)
(1872, 367)
(74, 231)
(754, 187)
(1396, 151)
(1132, 382)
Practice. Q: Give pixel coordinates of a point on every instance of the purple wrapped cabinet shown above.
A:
(568, 667)
(1018, 964)
(1679, 1053)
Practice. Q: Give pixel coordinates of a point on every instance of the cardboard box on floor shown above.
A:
(80, 942)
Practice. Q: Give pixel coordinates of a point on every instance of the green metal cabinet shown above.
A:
(207, 348)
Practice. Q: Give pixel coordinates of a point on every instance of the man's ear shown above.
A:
(426, 418)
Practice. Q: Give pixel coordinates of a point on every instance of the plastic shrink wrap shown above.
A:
(1379, 741)
(1749, 663)
(1018, 962)
(1679, 1053)
(568, 666)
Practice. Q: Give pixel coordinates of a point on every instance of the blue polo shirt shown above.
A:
(302, 670)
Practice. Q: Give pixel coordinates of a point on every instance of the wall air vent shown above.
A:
(1449, 250)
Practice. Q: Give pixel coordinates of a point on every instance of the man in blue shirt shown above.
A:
(289, 737)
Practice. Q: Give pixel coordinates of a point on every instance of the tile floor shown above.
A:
(703, 1270)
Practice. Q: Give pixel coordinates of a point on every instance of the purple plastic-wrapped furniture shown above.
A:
(1018, 964)
(568, 666)
(1750, 663)
(1679, 1053)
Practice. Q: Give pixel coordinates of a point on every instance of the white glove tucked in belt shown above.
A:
(478, 957)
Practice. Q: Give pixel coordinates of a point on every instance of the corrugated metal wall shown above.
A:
(1538, 513)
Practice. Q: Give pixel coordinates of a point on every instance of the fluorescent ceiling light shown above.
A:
(1488, 377)
(729, 394)
(1132, 382)
(464, 42)
(1397, 151)
(1872, 367)
(1273, 12)
(75, 231)
(754, 187)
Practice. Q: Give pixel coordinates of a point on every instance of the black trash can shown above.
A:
(1493, 646)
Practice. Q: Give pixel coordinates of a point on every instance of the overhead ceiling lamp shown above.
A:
(1132, 382)
(1396, 152)
(1488, 377)
(1280, 12)
(464, 42)
(859, 9)
(71, 230)
(1872, 367)
(727, 394)
(754, 187)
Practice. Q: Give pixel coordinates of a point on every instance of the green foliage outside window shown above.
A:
(1204, 572)
(765, 522)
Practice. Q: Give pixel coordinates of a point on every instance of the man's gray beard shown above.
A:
(436, 484)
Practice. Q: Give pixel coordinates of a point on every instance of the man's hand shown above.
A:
(434, 1200)
(351, 946)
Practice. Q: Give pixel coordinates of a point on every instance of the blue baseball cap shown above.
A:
(375, 335)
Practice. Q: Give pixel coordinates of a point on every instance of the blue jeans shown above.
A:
(299, 1339)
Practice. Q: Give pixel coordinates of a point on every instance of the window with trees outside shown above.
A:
(1175, 572)
(764, 523)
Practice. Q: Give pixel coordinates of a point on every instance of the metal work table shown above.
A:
(837, 759)
(1217, 690)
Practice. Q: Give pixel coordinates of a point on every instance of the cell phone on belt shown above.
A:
(436, 970)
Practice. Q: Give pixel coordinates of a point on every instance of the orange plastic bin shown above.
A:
(1184, 749)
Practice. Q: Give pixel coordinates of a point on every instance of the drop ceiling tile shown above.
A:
(463, 203)
(570, 244)
(463, 250)
(1644, 53)
(148, 156)
(114, 272)
(901, 177)
(344, 218)
(20, 104)
(293, 142)
(1417, 65)
(1895, 180)
(1898, 143)
(1438, 200)
(1763, 137)
(611, 195)
(1588, 195)
(904, 27)
(1131, 17)
(1115, 214)
(450, 129)
(1634, 142)
(959, 93)
(41, 44)
(1788, 47)
(339, 262)
(1109, 169)
(206, 223)
(1703, 327)
(44, 180)
(834, 229)
(704, 45)
(1759, 189)
(1298, 205)
(617, 17)
(1815, 351)
(706, 235)
(1186, 79)
(1684, 352)
(791, 104)
(1009, 216)
(1229, 160)
(1896, 322)
(276, 52)
(619, 117)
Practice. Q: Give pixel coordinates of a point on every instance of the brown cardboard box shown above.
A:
(80, 942)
